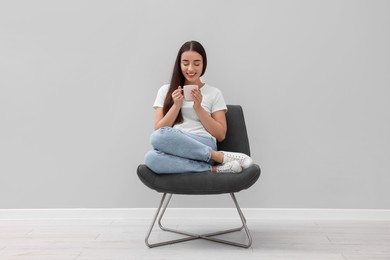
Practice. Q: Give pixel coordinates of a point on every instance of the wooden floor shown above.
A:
(79, 239)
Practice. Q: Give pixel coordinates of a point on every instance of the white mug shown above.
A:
(187, 91)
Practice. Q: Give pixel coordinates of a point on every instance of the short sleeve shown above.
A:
(160, 98)
(219, 102)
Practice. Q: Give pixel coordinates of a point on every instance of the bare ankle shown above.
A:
(217, 156)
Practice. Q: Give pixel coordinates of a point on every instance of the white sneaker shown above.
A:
(233, 166)
(244, 160)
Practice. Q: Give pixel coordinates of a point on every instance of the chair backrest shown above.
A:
(236, 137)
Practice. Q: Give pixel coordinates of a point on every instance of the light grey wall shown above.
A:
(78, 79)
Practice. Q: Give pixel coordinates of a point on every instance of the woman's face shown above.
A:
(191, 64)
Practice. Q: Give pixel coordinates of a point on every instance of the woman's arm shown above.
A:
(160, 120)
(214, 124)
(169, 119)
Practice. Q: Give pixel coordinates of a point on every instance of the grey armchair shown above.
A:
(206, 184)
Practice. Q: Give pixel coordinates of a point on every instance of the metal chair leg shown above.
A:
(154, 221)
(191, 236)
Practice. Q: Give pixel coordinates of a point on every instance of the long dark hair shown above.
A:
(178, 77)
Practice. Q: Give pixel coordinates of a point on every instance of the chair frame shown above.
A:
(192, 236)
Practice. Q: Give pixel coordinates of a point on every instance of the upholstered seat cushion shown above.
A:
(199, 183)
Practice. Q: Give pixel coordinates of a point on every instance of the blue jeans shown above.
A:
(175, 151)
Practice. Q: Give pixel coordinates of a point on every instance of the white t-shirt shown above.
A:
(212, 101)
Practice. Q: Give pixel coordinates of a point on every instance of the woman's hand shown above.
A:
(178, 97)
(197, 97)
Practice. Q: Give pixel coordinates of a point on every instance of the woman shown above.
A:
(186, 132)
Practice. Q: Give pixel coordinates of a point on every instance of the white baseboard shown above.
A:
(198, 213)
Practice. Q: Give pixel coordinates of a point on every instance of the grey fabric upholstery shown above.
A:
(209, 183)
